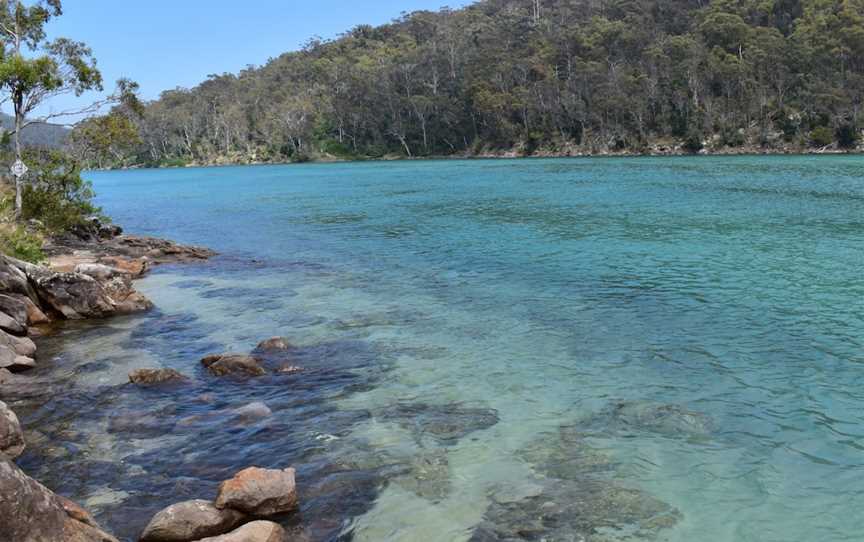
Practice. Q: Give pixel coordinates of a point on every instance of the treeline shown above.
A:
(553, 76)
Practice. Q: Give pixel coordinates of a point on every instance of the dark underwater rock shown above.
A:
(664, 419)
(446, 423)
(233, 364)
(589, 511)
(152, 377)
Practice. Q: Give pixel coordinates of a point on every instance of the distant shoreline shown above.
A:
(506, 155)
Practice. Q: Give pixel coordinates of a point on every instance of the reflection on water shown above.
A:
(599, 350)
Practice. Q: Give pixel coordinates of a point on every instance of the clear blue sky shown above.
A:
(164, 44)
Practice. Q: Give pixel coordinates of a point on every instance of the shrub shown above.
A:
(821, 136)
(19, 243)
(847, 136)
(56, 195)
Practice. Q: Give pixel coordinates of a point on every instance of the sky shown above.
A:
(164, 44)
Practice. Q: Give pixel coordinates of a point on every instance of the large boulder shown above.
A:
(191, 520)
(259, 492)
(11, 436)
(11, 325)
(152, 377)
(233, 364)
(14, 307)
(31, 512)
(22, 346)
(257, 531)
(12, 361)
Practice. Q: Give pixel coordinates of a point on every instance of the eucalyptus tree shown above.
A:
(34, 70)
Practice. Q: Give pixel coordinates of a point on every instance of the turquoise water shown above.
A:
(617, 349)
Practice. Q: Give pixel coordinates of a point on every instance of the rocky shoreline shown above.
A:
(89, 275)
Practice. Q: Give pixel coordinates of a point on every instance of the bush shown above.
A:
(693, 141)
(56, 195)
(847, 136)
(821, 136)
(17, 242)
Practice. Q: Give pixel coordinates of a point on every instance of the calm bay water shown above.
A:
(629, 349)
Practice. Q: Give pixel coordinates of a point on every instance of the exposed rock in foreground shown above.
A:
(257, 531)
(33, 513)
(259, 492)
(11, 436)
(191, 520)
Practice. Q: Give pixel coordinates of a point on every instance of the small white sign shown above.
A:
(19, 168)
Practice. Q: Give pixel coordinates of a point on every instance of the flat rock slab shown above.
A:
(259, 492)
(446, 423)
(191, 520)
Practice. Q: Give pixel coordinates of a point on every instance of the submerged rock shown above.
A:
(233, 364)
(665, 419)
(589, 511)
(259, 492)
(256, 531)
(567, 455)
(274, 344)
(191, 520)
(151, 377)
(33, 513)
(446, 423)
(428, 476)
(11, 436)
(254, 411)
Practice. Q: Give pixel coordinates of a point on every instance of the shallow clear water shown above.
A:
(663, 349)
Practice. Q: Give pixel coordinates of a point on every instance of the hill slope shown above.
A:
(572, 76)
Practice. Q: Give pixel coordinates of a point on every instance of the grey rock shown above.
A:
(254, 411)
(11, 325)
(11, 436)
(191, 520)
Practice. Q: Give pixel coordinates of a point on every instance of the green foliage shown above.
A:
(56, 196)
(847, 136)
(822, 136)
(17, 242)
(612, 75)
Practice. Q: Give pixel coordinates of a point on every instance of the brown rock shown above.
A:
(33, 513)
(35, 316)
(134, 266)
(150, 377)
(273, 344)
(259, 492)
(11, 436)
(256, 531)
(233, 364)
(190, 520)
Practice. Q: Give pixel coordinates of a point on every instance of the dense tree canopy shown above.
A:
(536, 75)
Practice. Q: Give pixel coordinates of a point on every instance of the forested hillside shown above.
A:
(536, 76)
